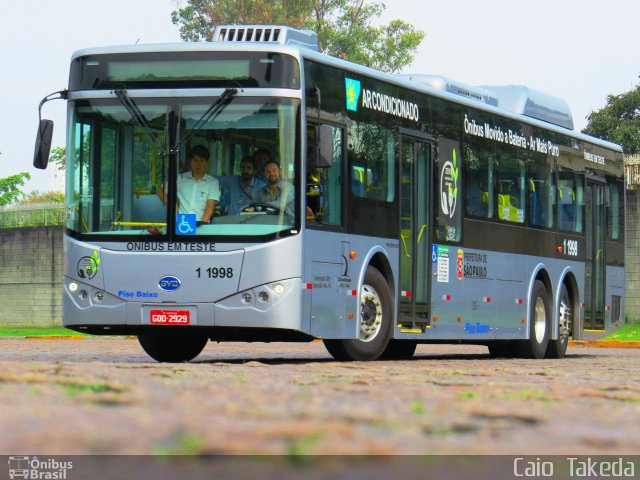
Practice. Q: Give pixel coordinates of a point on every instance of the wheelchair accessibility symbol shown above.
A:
(186, 224)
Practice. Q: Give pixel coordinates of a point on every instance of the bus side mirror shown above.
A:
(325, 144)
(43, 144)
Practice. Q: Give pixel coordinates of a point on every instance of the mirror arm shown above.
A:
(61, 95)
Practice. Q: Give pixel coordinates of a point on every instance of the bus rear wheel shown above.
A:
(539, 324)
(172, 346)
(558, 348)
(375, 322)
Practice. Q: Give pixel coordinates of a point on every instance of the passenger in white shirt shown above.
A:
(198, 192)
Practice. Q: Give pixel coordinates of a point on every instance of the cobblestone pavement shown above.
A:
(105, 396)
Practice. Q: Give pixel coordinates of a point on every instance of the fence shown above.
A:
(632, 171)
(49, 214)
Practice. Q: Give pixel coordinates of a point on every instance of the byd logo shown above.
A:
(169, 283)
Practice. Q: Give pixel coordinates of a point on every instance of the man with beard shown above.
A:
(240, 191)
(277, 192)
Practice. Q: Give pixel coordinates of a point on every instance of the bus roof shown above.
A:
(515, 95)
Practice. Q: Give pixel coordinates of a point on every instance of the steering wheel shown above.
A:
(264, 208)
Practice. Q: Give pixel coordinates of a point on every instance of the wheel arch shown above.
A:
(378, 258)
(539, 273)
(568, 280)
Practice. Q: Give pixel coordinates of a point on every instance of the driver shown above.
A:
(277, 192)
(198, 192)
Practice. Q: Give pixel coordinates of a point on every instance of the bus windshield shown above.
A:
(127, 177)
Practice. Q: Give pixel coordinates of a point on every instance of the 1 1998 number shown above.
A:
(570, 247)
(215, 272)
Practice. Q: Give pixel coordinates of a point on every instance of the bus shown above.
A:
(445, 213)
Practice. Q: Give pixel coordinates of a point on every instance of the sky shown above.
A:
(579, 50)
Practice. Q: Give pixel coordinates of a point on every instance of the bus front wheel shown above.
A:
(172, 346)
(375, 322)
(539, 323)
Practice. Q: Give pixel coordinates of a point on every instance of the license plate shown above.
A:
(169, 317)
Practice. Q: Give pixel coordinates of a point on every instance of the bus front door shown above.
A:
(594, 266)
(415, 234)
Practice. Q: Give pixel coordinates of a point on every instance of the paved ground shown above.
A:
(105, 396)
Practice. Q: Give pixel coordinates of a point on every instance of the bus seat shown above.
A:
(537, 202)
(567, 204)
(534, 208)
(506, 209)
(357, 185)
(477, 203)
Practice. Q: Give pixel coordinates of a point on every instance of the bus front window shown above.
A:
(112, 166)
(126, 177)
(251, 152)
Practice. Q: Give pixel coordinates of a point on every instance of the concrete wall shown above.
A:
(632, 254)
(31, 276)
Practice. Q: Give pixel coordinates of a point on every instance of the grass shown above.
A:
(466, 394)
(630, 332)
(74, 388)
(181, 443)
(37, 332)
(418, 408)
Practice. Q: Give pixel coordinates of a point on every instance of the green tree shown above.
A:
(10, 187)
(58, 157)
(618, 121)
(345, 28)
(36, 197)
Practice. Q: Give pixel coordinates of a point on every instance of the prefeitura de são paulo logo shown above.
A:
(40, 469)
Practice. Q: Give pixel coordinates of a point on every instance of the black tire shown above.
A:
(375, 322)
(539, 325)
(171, 346)
(399, 350)
(500, 349)
(558, 348)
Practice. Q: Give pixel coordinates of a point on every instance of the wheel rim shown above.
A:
(540, 321)
(370, 314)
(565, 320)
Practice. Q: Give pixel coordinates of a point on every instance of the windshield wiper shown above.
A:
(212, 112)
(133, 109)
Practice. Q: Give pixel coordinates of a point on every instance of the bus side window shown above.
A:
(324, 186)
(479, 178)
(541, 191)
(511, 174)
(371, 152)
(615, 218)
(569, 200)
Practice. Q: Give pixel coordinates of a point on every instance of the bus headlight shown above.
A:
(73, 286)
(262, 297)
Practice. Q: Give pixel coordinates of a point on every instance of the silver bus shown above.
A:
(409, 208)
